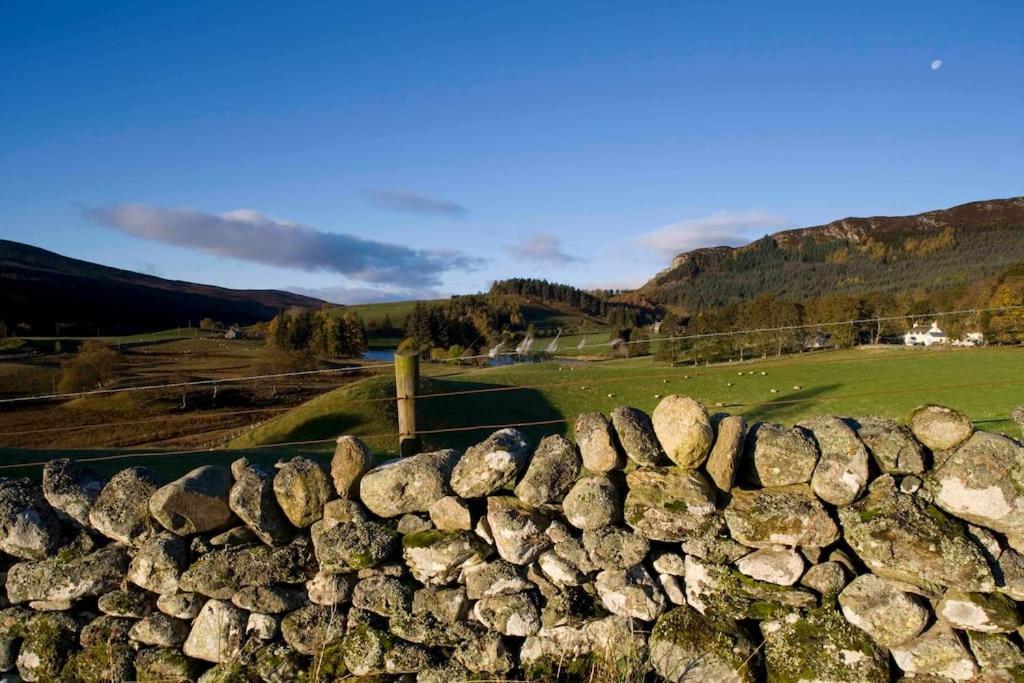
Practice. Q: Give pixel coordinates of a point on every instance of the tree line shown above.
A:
(321, 333)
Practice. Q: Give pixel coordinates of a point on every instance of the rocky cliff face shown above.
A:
(677, 546)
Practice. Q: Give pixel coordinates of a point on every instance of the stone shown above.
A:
(995, 651)
(827, 579)
(238, 466)
(131, 603)
(552, 471)
(217, 633)
(782, 567)
(408, 485)
(936, 652)
(720, 590)
(819, 645)
(28, 526)
(436, 557)
(412, 524)
(105, 629)
(725, 454)
(668, 562)
(841, 474)
(686, 645)
(939, 428)
(683, 428)
(492, 464)
(903, 538)
(160, 630)
(181, 605)
(983, 482)
(670, 504)
(302, 488)
(352, 459)
(330, 589)
(353, 545)
(630, 593)
(615, 548)
(599, 447)
(163, 665)
(485, 653)
(451, 513)
(71, 489)
(270, 599)
(261, 626)
(716, 547)
(365, 649)
(878, 607)
(560, 571)
(673, 589)
(510, 615)
(222, 573)
(196, 503)
(894, 448)
(781, 456)
(121, 511)
(236, 535)
(102, 662)
(57, 579)
(982, 612)
(785, 515)
(309, 628)
(383, 595)
(495, 578)
(635, 433)
(253, 500)
(48, 639)
(447, 605)
(1010, 573)
(593, 502)
(518, 529)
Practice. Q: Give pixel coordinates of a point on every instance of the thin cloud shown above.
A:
(724, 228)
(410, 202)
(542, 248)
(366, 295)
(252, 236)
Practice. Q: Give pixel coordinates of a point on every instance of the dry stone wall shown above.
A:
(677, 546)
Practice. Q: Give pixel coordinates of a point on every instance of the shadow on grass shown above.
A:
(783, 409)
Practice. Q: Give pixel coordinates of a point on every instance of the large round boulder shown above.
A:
(196, 503)
(121, 511)
(551, 473)
(302, 488)
(28, 526)
(686, 645)
(408, 484)
(491, 464)
(683, 428)
(940, 428)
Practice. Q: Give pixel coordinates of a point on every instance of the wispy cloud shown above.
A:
(366, 295)
(724, 228)
(252, 236)
(410, 202)
(542, 248)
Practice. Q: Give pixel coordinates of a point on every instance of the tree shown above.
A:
(95, 366)
(1007, 326)
(207, 324)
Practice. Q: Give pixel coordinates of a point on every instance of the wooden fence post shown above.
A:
(407, 382)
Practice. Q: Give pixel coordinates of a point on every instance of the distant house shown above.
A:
(970, 339)
(232, 333)
(817, 340)
(924, 335)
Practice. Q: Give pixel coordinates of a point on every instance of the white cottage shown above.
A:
(923, 335)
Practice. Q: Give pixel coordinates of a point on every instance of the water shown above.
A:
(380, 355)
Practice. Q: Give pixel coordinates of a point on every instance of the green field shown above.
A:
(984, 383)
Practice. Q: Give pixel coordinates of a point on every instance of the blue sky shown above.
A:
(380, 150)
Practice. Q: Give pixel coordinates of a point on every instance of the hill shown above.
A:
(931, 250)
(41, 289)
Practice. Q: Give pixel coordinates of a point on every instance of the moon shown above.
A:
(936, 64)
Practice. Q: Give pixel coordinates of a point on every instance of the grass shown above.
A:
(984, 383)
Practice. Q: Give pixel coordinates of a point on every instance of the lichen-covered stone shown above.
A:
(983, 482)
(252, 498)
(353, 545)
(312, 627)
(889, 615)
(490, 579)
(552, 471)
(827, 579)
(819, 645)
(451, 513)
(939, 428)
(901, 537)
(352, 459)
(722, 462)
(599, 447)
(593, 502)
(57, 579)
(49, 638)
(781, 456)
(269, 599)
(630, 593)
(996, 651)
(636, 435)
(383, 595)
(408, 485)
(670, 503)
(330, 589)
(518, 529)
(785, 515)
(131, 603)
(686, 645)
(893, 446)
(511, 615)
(683, 428)
(779, 566)
(365, 648)
(984, 612)
(936, 652)
(181, 605)
(160, 630)
(841, 474)
(121, 511)
(485, 653)
(164, 665)
(436, 557)
(217, 633)
(720, 590)
(492, 464)
(447, 605)
(196, 503)
(71, 489)
(302, 488)
(28, 526)
(615, 548)
(222, 573)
